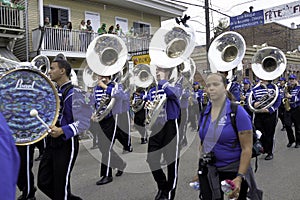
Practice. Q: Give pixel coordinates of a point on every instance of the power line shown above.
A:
(192, 4)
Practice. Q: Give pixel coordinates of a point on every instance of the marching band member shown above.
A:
(140, 115)
(108, 126)
(281, 109)
(293, 115)
(123, 129)
(184, 103)
(233, 86)
(194, 106)
(245, 95)
(164, 137)
(266, 120)
(26, 177)
(62, 147)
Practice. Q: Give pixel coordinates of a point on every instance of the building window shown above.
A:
(141, 29)
(56, 15)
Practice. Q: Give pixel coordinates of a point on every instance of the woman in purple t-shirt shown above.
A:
(223, 155)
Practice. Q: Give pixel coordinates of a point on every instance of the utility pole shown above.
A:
(206, 7)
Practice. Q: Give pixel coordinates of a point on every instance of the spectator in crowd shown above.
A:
(111, 29)
(82, 35)
(47, 22)
(89, 29)
(118, 30)
(102, 29)
(68, 36)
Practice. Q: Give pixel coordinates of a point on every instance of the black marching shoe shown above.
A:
(31, 195)
(161, 195)
(121, 170)
(289, 144)
(269, 156)
(104, 180)
(143, 140)
(297, 146)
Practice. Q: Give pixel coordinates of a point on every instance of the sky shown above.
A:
(229, 7)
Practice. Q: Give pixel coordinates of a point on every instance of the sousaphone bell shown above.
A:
(226, 51)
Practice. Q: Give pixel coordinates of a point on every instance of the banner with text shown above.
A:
(281, 12)
(246, 20)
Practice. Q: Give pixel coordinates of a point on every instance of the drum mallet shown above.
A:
(35, 113)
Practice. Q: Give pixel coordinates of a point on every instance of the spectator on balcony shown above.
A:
(111, 30)
(58, 25)
(47, 33)
(68, 36)
(89, 32)
(102, 29)
(47, 22)
(119, 31)
(82, 35)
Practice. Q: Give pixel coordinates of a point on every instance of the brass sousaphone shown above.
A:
(268, 63)
(170, 46)
(106, 56)
(227, 51)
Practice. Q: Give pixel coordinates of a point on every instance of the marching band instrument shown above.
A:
(226, 51)
(106, 56)
(89, 77)
(22, 90)
(286, 104)
(205, 98)
(171, 45)
(142, 76)
(42, 63)
(268, 63)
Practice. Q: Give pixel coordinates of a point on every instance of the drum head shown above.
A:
(22, 90)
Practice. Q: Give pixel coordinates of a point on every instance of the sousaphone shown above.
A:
(106, 56)
(171, 45)
(268, 63)
(226, 51)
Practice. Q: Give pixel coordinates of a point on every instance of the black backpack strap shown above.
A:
(201, 118)
(233, 107)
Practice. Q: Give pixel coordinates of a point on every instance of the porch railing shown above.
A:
(11, 17)
(58, 39)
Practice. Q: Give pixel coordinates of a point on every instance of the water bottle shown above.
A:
(227, 186)
(195, 185)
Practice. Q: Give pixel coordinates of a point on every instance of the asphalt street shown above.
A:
(278, 178)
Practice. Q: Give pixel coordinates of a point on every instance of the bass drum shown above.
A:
(22, 90)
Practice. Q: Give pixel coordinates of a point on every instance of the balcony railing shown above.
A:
(11, 17)
(63, 40)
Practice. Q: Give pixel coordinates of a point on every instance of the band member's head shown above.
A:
(163, 73)
(246, 83)
(282, 81)
(293, 79)
(59, 69)
(196, 86)
(104, 79)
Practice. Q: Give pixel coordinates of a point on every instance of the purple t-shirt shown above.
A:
(221, 138)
